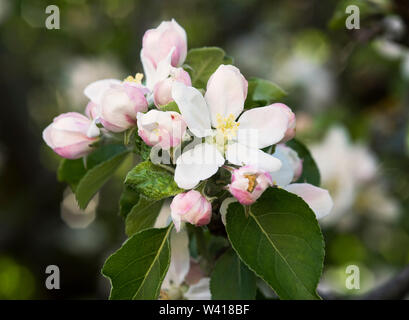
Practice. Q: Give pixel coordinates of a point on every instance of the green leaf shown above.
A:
(141, 148)
(142, 216)
(71, 172)
(104, 153)
(171, 106)
(202, 62)
(137, 269)
(86, 176)
(310, 171)
(128, 200)
(262, 92)
(280, 241)
(231, 279)
(152, 181)
(99, 172)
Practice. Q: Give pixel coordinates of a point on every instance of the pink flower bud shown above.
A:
(120, 104)
(165, 129)
(248, 184)
(69, 135)
(162, 91)
(157, 43)
(190, 207)
(290, 133)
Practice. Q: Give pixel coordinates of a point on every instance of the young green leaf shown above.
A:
(280, 240)
(141, 148)
(263, 92)
(231, 279)
(202, 62)
(143, 215)
(137, 269)
(103, 154)
(171, 106)
(71, 172)
(152, 181)
(310, 172)
(101, 165)
(128, 200)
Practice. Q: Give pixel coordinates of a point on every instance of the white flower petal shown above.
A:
(149, 71)
(285, 175)
(162, 71)
(95, 90)
(226, 92)
(164, 67)
(318, 199)
(199, 291)
(93, 130)
(164, 217)
(240, 155)
(193, 108)
(197, 164)
(262, 127)
(179, 260)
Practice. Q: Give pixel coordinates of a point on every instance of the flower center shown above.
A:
(226, 126)
(252, 178)
(226, 130)
(137, 79)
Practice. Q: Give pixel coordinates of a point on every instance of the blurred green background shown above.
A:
(349, 90)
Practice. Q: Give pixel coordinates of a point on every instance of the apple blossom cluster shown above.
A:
(211, 130)
(204, 137)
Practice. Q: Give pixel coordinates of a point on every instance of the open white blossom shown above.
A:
(212, 118)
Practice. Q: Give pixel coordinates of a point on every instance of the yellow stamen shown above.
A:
(156, 131)
(138, 78)
(227, 126)
(252, 181)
